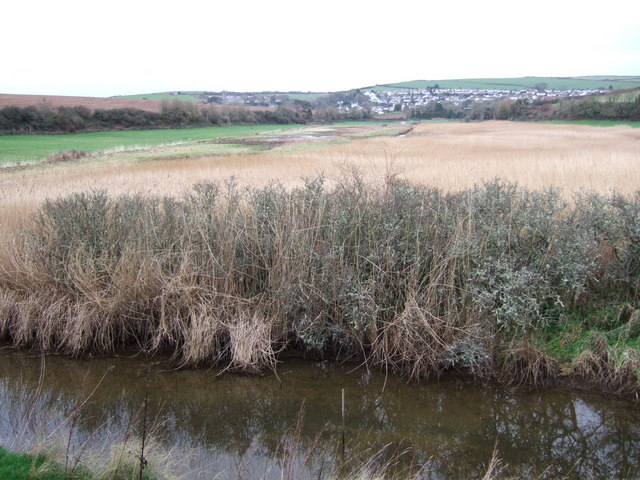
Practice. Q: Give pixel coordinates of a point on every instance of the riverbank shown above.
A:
(25, 466)
(398, 276)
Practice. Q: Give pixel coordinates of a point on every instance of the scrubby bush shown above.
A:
(395, 274)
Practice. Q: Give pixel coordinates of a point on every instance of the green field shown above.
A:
(190, 96)
(307, 97)
(29, 148)
(559, 83)
(163, 96)
(595, 123)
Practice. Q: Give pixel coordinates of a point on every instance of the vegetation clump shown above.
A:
(65, 156)
(396, 275)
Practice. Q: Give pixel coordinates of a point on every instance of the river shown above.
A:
(221, 424)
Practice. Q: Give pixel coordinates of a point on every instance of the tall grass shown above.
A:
(449, 156)
(394, 274)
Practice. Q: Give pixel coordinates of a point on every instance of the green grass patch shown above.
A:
(14, 466)
(305, 96)
(595, 123)
(576, 329)
(29, 148)
(183, 151)
(17, 467)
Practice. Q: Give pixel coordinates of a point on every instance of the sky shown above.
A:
(99, 48)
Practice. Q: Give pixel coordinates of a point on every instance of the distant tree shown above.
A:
(541, 86)
(504, 110)
(303, 108)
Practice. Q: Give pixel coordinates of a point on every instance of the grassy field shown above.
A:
(452, 156)
(560, 83)
(594, 123)
(190, 96)
(184, 97)
(30, 148)
(306, 96)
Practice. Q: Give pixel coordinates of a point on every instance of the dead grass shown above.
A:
(451, 156)
(526, 364)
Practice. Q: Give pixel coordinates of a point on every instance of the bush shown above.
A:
(396, 274)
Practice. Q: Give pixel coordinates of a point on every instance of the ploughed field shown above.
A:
(499, 249)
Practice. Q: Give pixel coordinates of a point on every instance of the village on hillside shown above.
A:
(385, 101)
(382, 100)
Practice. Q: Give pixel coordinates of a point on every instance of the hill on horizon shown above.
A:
(153, 101)
(606, 82)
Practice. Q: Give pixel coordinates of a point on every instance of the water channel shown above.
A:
(224, 425)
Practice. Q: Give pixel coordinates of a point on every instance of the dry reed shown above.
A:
(395, 274)
(449, 156)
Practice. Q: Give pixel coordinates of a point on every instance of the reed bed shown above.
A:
(398, 275)
(448, 156)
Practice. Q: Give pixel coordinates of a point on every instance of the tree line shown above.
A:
(589, 108)
(175, 114)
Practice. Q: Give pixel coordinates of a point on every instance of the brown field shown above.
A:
(451, 156)
(93, 103)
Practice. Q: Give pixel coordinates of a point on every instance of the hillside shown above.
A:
(557, 83)
(267, 99)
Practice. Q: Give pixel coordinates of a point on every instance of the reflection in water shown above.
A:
(236, 424)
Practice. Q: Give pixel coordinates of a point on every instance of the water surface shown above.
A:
(237, 426)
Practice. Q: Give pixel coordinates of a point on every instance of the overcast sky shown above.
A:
(70, 47)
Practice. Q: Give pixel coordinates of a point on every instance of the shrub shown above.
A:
(395, 274)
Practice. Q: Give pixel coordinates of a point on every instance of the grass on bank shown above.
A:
(601, 337)
(14, 466)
